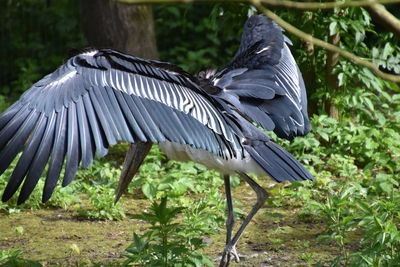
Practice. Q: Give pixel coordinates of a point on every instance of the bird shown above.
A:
(218, 118)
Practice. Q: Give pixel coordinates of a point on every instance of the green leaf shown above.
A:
(333, 28)
(149, 190)
(324, 135)
(387, 50)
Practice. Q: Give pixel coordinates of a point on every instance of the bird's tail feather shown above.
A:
(279, 164)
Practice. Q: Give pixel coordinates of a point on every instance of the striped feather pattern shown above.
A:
(100, 97)
(263, 81)
(95, 100)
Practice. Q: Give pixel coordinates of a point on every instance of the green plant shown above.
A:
(381, 242)
(11, 258)
(338, 213)
(101, 198)
(11, 253)
(167, 242)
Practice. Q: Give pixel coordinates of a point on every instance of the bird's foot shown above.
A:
(229, 254)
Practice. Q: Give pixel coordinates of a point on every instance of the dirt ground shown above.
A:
(59, 237)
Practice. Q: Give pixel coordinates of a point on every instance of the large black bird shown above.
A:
(100, 97)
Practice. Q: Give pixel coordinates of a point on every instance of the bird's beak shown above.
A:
(133, 159)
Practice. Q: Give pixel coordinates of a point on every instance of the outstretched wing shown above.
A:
(263, 81)
(94, 100)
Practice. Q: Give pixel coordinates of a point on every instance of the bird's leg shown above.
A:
(230, 222)
(133, 159)
(261, 197)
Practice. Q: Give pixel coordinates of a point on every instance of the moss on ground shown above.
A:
(60, 237)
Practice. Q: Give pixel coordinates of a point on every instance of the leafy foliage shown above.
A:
(11, 258)
(166, 243)
(35, 38)
(201, 30)
(101, 198)
(355, 159)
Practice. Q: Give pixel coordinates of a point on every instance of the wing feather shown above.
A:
(97, 99)
(40, 159)
(118, 117)
(25, 160)
(12, 126)
(9, 114)
(57, 155)
(73, 147)
(131, 120)
(262, 73)
(95, 127)
(17, 142)
(85, 137)
(103, 116)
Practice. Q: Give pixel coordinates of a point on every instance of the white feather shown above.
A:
(181, 152)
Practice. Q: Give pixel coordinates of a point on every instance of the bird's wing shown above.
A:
(94, 100)
(263, 81)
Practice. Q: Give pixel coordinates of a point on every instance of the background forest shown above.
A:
(349, 217)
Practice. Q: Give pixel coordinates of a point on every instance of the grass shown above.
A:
(350, 216)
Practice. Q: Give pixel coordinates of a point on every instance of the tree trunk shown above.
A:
(124, 27)
(127, 28)
(308, 70)
(332, 80)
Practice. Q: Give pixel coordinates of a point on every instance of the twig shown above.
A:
(330, 47)
(326, 5)
(283, 3)
(296, 31)
(383, 16)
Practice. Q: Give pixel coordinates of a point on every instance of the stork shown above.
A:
(100, 97)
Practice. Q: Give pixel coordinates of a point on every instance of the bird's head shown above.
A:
(261, 31)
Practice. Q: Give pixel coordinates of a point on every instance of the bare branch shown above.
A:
(284, 3)
(330, 47)
(326, 5)
(306, 37)
(383, 16)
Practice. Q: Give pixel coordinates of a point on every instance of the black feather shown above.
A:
(85, 137)
(135, 128)
(12, 126)
(17, 142)
(146, 123)
(278, 163)
(57, 155)
(98, 134)
(40, 160)
(140, 119)
(103, 116)
(24, 162)
(119, 117)
(73, 147)
(100, 97)
(10, 112)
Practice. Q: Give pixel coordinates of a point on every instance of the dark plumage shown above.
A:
(100, 97)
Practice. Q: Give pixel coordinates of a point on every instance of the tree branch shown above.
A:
(283, 3)
(381, 15)
(327, 46)
(306, 37)
(332, 60)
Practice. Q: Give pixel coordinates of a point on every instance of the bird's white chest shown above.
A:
(181, 152)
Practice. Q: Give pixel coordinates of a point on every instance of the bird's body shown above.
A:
(243, 162)
(100, 97)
